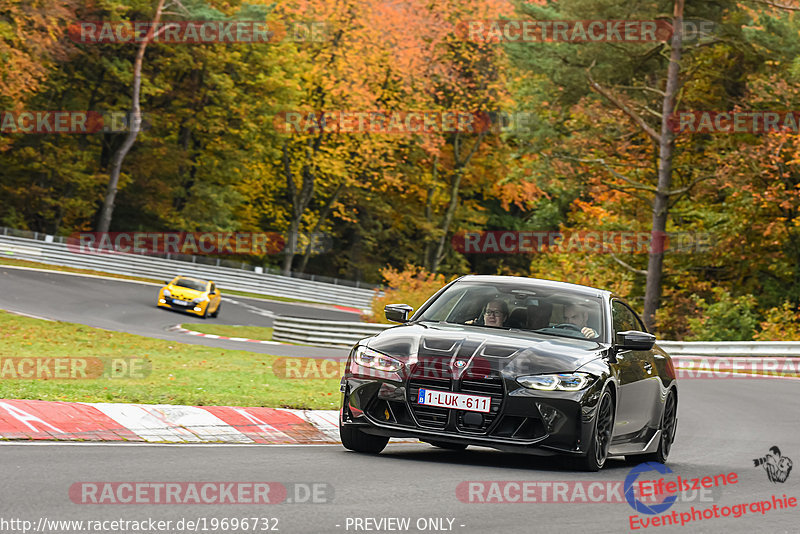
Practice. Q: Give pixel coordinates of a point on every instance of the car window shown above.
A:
(213, 288)
(638, 324)
(190, 284)
(549, 310)
(622, 318)
(457, 306)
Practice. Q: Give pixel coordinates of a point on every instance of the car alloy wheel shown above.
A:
(596, 456)
(669, 425)
(603, 427)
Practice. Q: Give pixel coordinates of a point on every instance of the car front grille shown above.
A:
(429, 374)
(489, 386)
(428, 416)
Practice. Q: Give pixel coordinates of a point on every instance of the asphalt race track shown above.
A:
(723, 425)
(125, 306)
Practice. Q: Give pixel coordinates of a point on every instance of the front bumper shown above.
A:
(520, 419)
(194, 309)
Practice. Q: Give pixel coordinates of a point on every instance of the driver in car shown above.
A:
(579, 316)
(496, 313)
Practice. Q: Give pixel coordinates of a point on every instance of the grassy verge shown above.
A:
(37, 265)
(263, 333)
(180, 373)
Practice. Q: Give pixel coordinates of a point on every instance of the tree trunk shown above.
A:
(460, 167)
(322, 217)
(438, 255)
(660, 203)
(300, 199)
(134, 123)
(427, 254)
(291, 246)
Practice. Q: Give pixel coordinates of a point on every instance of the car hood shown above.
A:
(510, 352)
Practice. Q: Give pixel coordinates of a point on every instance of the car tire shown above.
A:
(205, 312)
(602, 429)
(216, 312)
(358, 441)
(669, 424)
(449, 446)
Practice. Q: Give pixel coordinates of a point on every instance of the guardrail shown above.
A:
(323, 333)
(52, 252)
(346, 334)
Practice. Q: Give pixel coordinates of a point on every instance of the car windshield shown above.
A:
(525, 307)
(197, 285)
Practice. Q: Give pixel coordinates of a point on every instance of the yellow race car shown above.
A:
(199, 297)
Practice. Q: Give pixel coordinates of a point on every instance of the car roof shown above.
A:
(540, 282)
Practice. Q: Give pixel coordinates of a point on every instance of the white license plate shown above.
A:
(457, 401)
(181, 302)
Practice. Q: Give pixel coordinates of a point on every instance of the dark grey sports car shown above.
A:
(516, 364)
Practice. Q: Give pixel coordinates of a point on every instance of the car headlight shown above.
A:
(198, 300)
(557, 382)
(167, 293)
(375, 360)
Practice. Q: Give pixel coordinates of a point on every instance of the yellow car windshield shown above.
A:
(190, 284)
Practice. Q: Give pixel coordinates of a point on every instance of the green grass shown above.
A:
(36, 265)
(180, 373)
(263, 333)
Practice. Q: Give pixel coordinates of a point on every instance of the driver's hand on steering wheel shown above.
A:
(588, 332)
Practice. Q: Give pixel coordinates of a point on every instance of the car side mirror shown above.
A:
(635, 340)
(397, 313)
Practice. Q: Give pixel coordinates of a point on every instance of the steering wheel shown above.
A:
(568, 326)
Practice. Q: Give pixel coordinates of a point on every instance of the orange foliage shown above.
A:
(412, 286)
(30, 38)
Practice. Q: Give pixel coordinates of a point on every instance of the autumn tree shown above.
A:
(640, 84)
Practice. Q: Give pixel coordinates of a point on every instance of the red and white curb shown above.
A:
(180, 329)
(45, 420)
